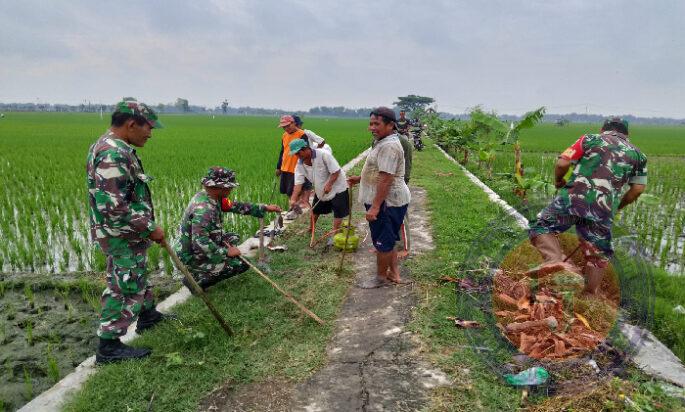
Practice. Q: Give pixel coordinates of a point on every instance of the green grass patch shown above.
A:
(193, 356)
(459, 213)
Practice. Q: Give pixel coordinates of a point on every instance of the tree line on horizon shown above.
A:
(411, 103)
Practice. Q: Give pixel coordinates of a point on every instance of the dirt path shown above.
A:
(373, 362)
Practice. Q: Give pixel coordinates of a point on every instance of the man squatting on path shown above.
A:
(210, 254)
(384, 193)
(122, 222)
(604, 164)
(329, 180)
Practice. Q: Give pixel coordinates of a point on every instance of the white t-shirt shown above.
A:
(323, 166)
(315, 140)
(386, 156)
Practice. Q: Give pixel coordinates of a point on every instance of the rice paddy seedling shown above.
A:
(53, 368)
(28, 328)
(28, 293)
(28, 385)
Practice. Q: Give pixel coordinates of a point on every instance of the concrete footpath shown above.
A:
(373, 362)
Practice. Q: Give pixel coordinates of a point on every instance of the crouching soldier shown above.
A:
(210, 253)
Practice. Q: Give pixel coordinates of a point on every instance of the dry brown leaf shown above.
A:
(466, 324)
(507, 300)
(523, 303)
(582, 319)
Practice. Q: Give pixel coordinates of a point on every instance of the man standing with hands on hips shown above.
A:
(385, 195)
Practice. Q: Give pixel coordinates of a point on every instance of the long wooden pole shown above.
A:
(349, 227)
(283, 292)
(197, 289)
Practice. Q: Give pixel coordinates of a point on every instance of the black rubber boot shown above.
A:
(149, 318)
(112, 350)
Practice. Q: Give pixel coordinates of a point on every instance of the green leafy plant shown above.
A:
(509, 133)
(28, 293)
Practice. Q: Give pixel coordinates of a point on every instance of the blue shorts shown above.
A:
(385, 230)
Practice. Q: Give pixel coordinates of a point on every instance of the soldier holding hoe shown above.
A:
(604, 164)
(122, 221)
(208, 252)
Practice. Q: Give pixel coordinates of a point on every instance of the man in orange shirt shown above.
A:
(285, 168)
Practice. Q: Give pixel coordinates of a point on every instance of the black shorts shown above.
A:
(287, 183)
(307, 185)
(339, 205)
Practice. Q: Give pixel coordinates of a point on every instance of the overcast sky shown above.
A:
(615, 57)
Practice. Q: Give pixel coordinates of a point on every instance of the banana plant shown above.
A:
(510, 133)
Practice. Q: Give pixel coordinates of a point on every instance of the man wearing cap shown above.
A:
(604, 164)
(285, 168)
(384, 194)
(209, 253)
(122, 222)
(330, 185)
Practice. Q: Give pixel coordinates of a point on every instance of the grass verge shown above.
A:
(462, 219)
(193, 356)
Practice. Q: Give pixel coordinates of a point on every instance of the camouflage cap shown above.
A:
(220, 177)
(136, 108)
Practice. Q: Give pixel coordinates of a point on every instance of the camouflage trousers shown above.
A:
(595, 236)
(209, 273)
(127, 292)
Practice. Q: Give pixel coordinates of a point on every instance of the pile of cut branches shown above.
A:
(543, 316)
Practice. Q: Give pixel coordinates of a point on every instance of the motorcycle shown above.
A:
(416, 138)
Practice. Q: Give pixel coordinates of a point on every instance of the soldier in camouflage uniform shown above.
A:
(122, 221)
(208, 252)
(604, 164)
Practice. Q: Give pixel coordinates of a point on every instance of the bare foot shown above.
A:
(375, 282)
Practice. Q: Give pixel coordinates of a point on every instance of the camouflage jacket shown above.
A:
(605, 163)
(403, 125)
(201, 231)
(121, 211)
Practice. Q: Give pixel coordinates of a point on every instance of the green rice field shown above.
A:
(43, 204)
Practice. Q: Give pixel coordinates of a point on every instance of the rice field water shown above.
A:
(43, 205)
(657, 220)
